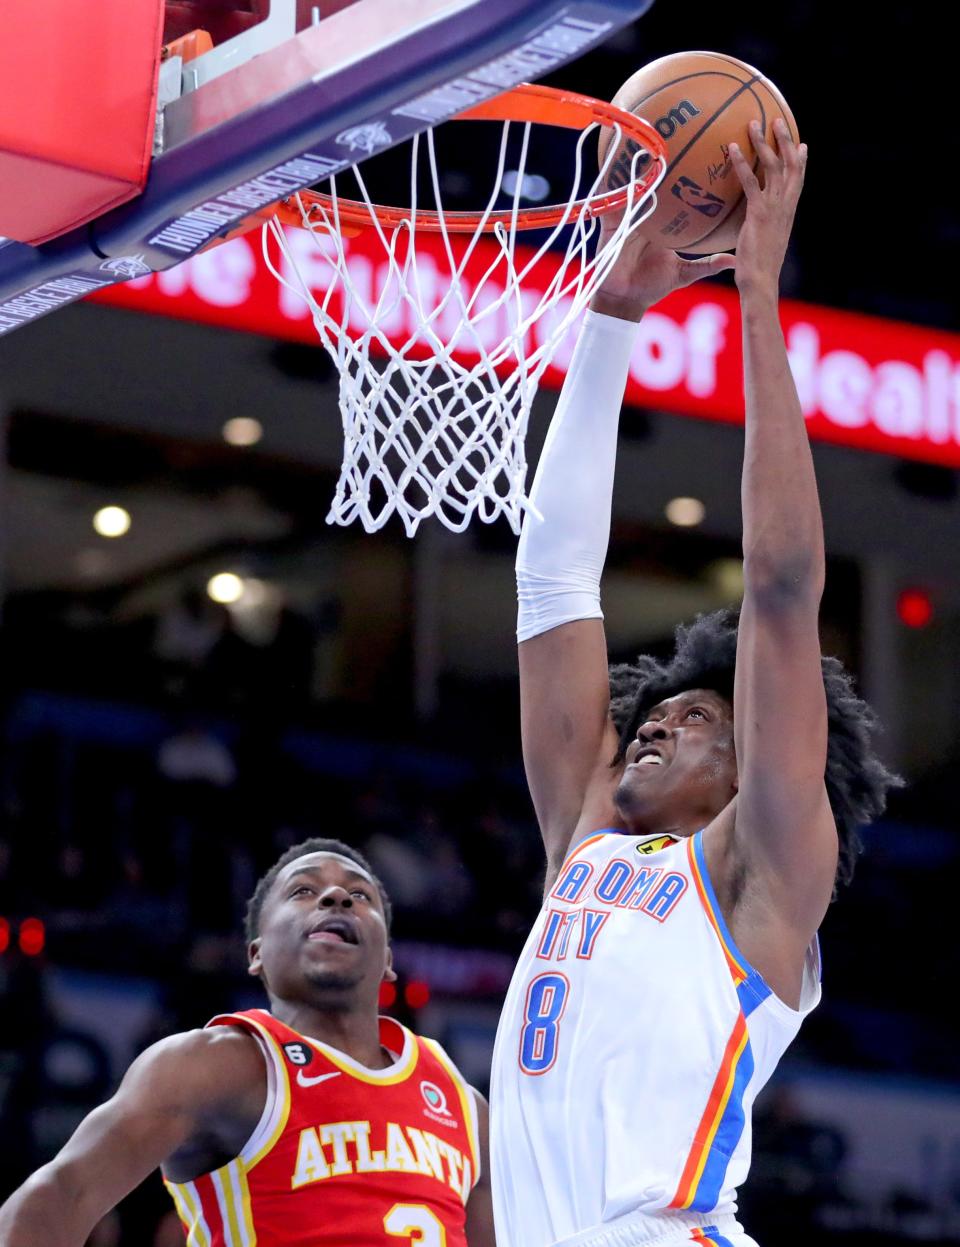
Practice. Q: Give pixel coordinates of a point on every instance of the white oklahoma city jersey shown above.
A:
(633, 1041)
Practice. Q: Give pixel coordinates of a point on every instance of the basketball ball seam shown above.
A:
(709, 73)
(773, 91)
(756, 163)
(740, 76)
(700, 73)
(744, 86)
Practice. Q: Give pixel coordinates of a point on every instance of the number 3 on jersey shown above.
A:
(417, 1224)
(546, 1001)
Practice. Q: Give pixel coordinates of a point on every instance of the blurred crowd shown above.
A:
(131, 856)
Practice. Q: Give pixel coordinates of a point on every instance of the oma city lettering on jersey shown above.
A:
(638, 886)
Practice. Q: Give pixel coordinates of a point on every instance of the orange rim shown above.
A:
(527, 102)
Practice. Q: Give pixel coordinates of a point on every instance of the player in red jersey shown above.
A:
(314, 1124)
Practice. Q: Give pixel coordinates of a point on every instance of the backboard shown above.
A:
(291, 94)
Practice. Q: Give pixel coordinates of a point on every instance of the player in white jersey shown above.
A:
(695, 824)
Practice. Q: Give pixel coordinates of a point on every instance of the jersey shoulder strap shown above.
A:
(435, 1056)
(272, 1037)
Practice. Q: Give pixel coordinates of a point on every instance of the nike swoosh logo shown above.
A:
(304, 1081)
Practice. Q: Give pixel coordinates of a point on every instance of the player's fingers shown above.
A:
(770, 161)
(800, 169)
(793, 161)
(745, 175)
(785, 144)
(796, 167)
(706, 266)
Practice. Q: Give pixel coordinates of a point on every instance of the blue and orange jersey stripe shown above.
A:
(751, 989)
(698, 871)
(722, 1123)
(720, 1126)
(710, 1235)
(588, 840)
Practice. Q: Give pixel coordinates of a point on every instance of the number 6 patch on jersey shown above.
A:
(298, 1053)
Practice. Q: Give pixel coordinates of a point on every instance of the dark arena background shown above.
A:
(228, 675)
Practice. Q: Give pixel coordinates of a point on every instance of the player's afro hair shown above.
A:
(704, 657)
(316, 845)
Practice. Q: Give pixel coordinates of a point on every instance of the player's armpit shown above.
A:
(480, 1204)
(166, 1096)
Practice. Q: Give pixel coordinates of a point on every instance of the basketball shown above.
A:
(699, 103)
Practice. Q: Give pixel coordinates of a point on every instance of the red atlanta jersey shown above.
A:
(343, 1156)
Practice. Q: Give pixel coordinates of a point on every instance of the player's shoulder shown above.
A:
(211, 1063)
(207, 1043)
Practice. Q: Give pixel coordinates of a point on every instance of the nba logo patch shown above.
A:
(694, 196)
(655, 845)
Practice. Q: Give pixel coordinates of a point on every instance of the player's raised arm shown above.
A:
(784, 830)
(166, 1097)
(568, 738)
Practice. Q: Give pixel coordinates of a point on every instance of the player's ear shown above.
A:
(389, 974)
(254, 964)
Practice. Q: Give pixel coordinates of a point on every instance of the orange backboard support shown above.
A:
(78, 90)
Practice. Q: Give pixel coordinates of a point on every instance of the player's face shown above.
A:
(323, 934)
(681, 769)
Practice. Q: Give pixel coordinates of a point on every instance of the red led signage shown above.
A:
(864, 382)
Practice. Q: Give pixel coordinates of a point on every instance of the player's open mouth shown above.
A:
(647, 757)
(333, 931)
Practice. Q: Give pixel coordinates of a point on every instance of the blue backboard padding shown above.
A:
(193, 187)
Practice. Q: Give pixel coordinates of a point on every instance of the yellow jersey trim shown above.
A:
(388, 1077)
(273, 1053)
(190, 1212)
(468, 1102)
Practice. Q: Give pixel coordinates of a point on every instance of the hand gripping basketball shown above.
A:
(765, 233)
(698, 103)
(645, 273)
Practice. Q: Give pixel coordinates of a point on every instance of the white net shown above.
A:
(435, 418)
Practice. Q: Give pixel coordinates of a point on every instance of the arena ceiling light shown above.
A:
(242, 431)
(256, 593)
(225, 588)
(915, 608)
(685, 512)
(111, 521)
(533, 187)
(727, 577)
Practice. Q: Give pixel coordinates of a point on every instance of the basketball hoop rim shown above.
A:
(528, 103)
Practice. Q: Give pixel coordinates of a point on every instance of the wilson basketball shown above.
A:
(699, 103)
